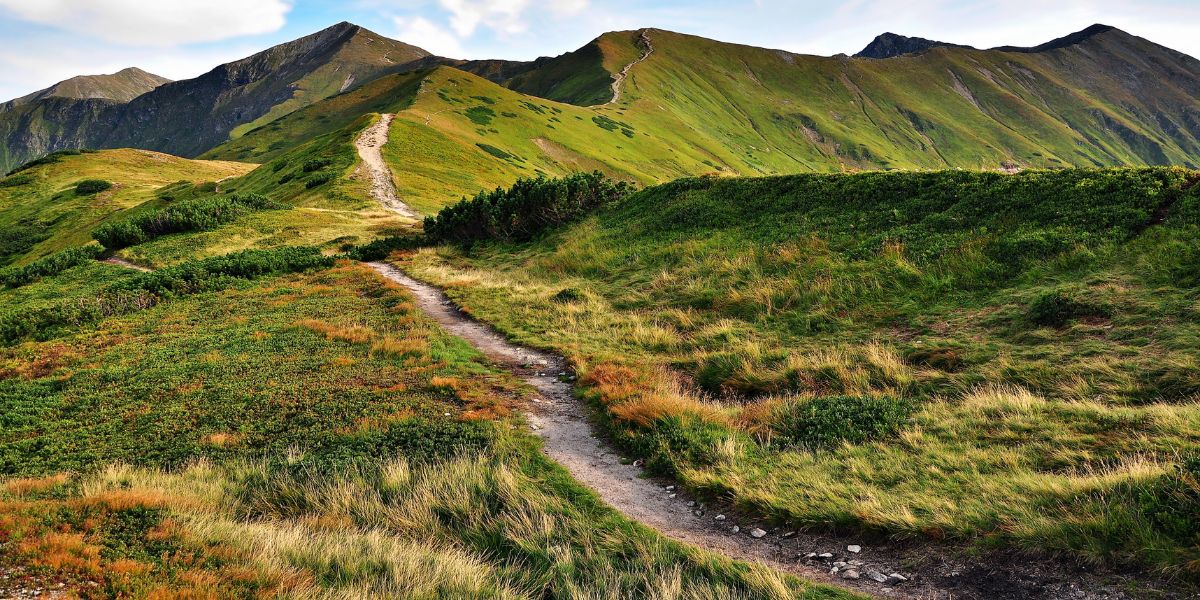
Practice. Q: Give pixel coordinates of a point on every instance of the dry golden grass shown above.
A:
(24, 487)
(355, 334)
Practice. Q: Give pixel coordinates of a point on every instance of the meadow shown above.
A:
(308, 435)
(1007, 361)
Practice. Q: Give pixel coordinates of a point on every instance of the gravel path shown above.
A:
(370, 149)
(619, 78)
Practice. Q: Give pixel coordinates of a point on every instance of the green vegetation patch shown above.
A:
(480, 115)
(49, 265)
(191, 215)
(89, 187)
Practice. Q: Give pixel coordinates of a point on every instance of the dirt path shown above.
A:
(120, 262)
(619, 78)
(370, 149)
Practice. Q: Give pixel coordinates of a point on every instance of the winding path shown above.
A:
(619, 78)
(561, 420)
(370, 149)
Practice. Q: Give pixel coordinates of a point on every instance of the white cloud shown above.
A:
(505, 16)
(155, 22)
(423, 33)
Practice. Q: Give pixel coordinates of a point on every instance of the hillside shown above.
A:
(1000, 359)
(57, 117)
(41, 211)
(188, 117)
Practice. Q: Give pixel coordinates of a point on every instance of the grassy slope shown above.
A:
(48, 206)
(774, 291)
(700, 106)
(349, 446)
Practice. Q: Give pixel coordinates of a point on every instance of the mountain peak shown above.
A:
(1065, 41)
(122, 86)
(888, 44)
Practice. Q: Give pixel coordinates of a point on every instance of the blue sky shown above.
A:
(49, 40)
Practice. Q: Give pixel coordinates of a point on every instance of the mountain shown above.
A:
(56, 117)
(188, 117)
(889, 44)
(690, 105)
(122, 86)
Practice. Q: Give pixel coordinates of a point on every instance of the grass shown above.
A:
(1005, 360)
(44, 214)
(306, 435)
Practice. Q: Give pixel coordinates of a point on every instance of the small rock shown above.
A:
(850, 574)
(839, 564)
(698, 513)
(826, 555)
(672, 495)
(637, 463)
(670, 487)
(719, 518)
(895, 579)
(736, 529)
(857, 563)
(853, 548)
(810, 555)
(757, 533)
(789, 534)
(876, 576)
(691, 504)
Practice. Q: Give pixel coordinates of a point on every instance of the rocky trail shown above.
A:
(619, 78)
(370, 149)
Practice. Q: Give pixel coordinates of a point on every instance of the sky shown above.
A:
(46, 41)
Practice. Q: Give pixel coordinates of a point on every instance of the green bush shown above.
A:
(1173, 502)
(384, 247)
(16, 180)
(19, 238)
(192, 215)
(88, 187)
(316, 164)
(827, 421)
(524, 210)
(318, 180)
(1057, 309)
(51, 265)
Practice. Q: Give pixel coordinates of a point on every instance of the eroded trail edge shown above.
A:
(370, 149)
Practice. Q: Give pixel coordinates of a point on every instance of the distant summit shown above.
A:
(890, 44)
(122, 86)
(1062, 42)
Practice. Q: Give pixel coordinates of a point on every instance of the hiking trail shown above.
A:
(370, 149)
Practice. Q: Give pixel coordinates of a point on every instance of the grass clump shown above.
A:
(89, 187)
(16, 180)
(827, 421)
(1058, 308)
(190, 215)
(524, 210)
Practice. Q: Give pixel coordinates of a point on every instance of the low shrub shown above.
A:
(192, 215)
(1058, 308)
(827, 421)
(16, 180)
(384, 247)
(1172, 503)
(51, 265)
(316, 164)
(88, 187)
(524, 210)
(318, 180)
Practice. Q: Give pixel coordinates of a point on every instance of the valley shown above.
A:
(661, 317)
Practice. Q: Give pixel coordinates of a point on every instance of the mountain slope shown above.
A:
(696, 106)
(56, 117)
(189, 117)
